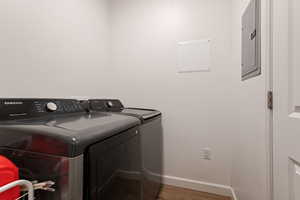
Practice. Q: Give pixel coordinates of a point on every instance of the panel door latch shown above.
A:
(253, 35)
(270, 100)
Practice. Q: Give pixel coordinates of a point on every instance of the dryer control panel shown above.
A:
(14, 109)
(106, 105)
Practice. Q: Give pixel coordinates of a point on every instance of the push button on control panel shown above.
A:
(71, 107)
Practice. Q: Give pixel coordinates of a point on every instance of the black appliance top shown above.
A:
(115, 105)
(56, 126)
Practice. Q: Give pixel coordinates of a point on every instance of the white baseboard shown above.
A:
(234, 197)
(193, 184)
(198, 185)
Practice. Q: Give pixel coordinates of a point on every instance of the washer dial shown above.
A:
(51, 107)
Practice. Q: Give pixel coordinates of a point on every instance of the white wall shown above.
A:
(250, 160)
(56, 48)
(62, 48)
(127, 49)
(197, 107)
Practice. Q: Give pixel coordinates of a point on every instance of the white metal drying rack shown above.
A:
(29, 187)
(23, 183)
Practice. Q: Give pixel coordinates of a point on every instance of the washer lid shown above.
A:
(143, 114)
(63, 136)
(116, 106)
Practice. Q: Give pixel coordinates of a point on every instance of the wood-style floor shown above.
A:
(175, 193)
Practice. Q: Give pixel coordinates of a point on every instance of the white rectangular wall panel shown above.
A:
(194, 56)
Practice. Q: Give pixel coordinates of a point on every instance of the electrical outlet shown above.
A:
(206, 154)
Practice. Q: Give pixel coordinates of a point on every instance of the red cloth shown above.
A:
(8, 173)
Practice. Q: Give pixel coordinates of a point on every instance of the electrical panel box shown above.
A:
(251, 42)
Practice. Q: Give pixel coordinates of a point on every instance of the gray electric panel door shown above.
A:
(251, 41)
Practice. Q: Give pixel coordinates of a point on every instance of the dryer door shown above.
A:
(114, 168)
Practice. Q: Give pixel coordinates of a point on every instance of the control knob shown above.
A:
(110, 104)
(51, 107)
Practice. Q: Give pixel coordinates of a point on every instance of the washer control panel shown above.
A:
(51, 107)
(13, 109)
